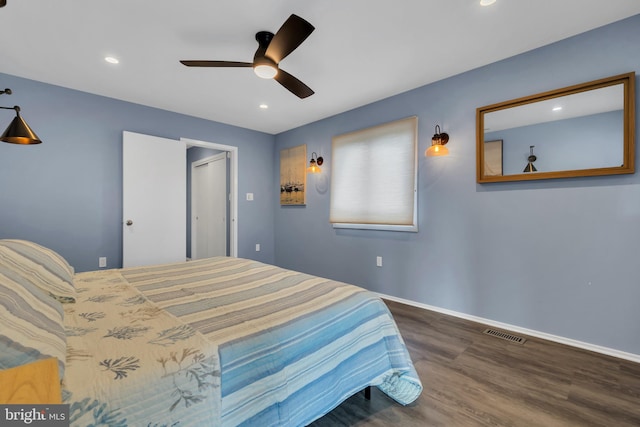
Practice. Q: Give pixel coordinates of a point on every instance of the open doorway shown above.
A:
(207, 203)
(202, 154)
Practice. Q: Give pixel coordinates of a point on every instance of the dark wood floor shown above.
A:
(472, 379)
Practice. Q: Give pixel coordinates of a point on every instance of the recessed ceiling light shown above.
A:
(264, 106)
(111, 60)
(487, 2)
(557, 108)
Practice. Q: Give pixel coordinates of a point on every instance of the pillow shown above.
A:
(32, 324)
(40, 266)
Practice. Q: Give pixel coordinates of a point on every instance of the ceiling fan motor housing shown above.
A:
(264, 38)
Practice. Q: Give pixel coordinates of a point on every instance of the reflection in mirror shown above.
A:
(582, 130)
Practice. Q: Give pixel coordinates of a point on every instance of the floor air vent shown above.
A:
(505, 336)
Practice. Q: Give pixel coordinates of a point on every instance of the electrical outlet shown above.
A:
(379, 261)
(257, 247)
(102, 261)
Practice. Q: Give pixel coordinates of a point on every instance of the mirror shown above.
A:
(581, 130)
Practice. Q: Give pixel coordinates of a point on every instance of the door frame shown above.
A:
(194, 236)
(233, 187)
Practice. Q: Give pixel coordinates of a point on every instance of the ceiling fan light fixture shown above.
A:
(265, 71)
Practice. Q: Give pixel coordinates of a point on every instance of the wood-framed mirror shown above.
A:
(581, 130)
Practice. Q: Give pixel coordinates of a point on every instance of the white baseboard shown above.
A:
(562, 340)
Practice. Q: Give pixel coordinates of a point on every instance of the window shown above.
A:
(374, 177)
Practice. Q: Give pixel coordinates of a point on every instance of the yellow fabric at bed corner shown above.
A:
(33, 383)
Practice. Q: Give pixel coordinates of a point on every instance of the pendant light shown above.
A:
(532, 158)
(18, 131)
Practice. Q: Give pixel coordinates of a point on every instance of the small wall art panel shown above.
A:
(293, 176)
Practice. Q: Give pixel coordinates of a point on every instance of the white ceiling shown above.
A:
(360, 52)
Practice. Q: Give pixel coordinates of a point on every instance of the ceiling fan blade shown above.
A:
(293, 85)
(216, 64)
(293, 32)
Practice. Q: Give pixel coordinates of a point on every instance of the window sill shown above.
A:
(378, 227)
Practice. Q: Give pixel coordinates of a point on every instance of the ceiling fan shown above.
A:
(273, 48)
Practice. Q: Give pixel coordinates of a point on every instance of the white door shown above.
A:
(154, 199)
(209, 207)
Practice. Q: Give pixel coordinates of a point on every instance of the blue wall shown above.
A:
(556, 256)
(66, 193)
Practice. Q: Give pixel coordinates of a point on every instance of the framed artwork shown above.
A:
(493, 158)
(293, 175)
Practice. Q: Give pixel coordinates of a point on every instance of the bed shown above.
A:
(221, 341)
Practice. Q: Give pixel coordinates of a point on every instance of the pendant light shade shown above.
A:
(19, 131)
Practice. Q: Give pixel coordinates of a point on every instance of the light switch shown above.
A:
(249, 196)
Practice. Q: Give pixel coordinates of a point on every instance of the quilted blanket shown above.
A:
(130, 363)
(291, 346)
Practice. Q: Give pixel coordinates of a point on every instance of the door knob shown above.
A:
(129, 222)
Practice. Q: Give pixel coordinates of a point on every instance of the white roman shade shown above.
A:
(374, 176)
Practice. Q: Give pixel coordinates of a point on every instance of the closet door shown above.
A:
(209, 207)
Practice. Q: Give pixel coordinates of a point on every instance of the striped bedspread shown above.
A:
(292, 346)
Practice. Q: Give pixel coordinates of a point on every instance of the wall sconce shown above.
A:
(18, 131)
(532, 158)
(438, 143)
(315, 163)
